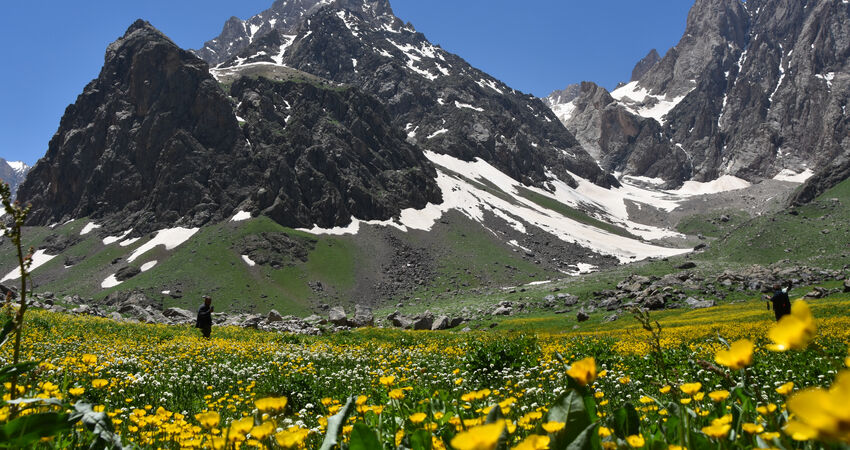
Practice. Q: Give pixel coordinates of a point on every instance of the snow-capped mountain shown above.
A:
(754, 89)
(13, 172)
(442, 103)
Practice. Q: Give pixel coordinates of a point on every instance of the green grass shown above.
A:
(709, 225)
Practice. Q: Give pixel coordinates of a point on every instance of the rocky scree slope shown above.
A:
(752, 89)
(445, 105)
(154, 142)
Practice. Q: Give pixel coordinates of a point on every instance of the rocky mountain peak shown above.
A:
(644, 65)
(565, 95)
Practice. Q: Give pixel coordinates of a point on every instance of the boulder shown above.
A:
(847, 286)
(442, 322)
(337, 316)
(503, 311)
(315, 319)
(84, 310)
(456, 321)
(179, 315)
(694, 303)
(568, 299)
(582, 316)
(125, 273)
(252, 321)
(817, 292)
(363, 316)
(274, 316)
(423, 321)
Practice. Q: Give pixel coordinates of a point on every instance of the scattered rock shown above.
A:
(582, 316)
(337, 316)
(687, 265)
(694, 303)
(274, 316)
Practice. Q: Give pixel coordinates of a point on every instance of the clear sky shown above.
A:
(53, 48)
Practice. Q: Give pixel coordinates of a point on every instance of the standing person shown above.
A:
(781, 302)
(205, 317)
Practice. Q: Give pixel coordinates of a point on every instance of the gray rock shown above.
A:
(363, 316)
(582, 316)
(694, 303)
(84, 310)
(274, 316)
(611, 318)
(315, 319)
(441, 322)
(503, 311)
(423, 321)
(179, 315)
(337, 316)
(125, 273)
(252, 321)
(456, 322)
(568, 299)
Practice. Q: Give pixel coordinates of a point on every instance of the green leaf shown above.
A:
(335, 424)
(568, 408)
(99, 424)
(12, 370)
(25, 431)
(588, 439)
(363, 438)
(626, 421)
(420, 440)
(6, 331)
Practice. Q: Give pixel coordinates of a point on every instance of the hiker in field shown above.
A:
(781, 302)
(205, 317)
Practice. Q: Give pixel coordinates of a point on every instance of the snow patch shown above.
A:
(635, 98)
(437, 133)
(170, 238)
(89, 228)
(794, 177)
(148, 265)
(240, 216)
(39, 258)
(564, 111)
(113, 239)
(248, 260)
(460, 105)
(722, 184)
(110, 281)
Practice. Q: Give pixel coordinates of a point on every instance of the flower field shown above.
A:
(698, 383)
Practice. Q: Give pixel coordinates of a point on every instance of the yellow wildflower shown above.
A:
(89, 359)
(484, 437)
(717, 430)
(99, 383)
(795, 330)
(387, 381)
(263, 430)
(583, 371)
(271, 404)
(752, 428)
(636, 441)
(553, 427)
(208, 420)
(691, 388)
(824, 411)
(786, 388)
(533, 442)
(665, 389)
(604, 432)
(77, 391)
(418, 418)
(718, 396)
(739, 355)
(396, 394)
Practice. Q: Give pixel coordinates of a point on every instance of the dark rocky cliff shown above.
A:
(154, 141)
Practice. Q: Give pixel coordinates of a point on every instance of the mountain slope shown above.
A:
(755, 90)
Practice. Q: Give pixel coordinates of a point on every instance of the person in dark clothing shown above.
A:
(205, 317)
(781, 302)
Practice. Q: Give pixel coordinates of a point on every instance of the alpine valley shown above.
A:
(324, 153)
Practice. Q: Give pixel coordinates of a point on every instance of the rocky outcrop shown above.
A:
(154, 142)
(752, 89)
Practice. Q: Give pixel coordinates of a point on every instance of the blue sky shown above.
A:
(52, 49)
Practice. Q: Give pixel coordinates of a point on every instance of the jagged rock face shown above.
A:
(444, 105)
(751, 89)
(283, 17)
(13, 173)
(836, 172)
(154, 142)
(622, 141)
(565, 95)
(644, 65)
(153, 133)
(329, 154)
